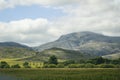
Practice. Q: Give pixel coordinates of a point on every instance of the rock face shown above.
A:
(85, 42)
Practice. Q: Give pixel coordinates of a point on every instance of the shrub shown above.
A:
(89, 65)
(26, 65)
(15, 66)
(73, 66)
(60, 66)
(76, 66)
(117, 66)
(49, 66)
(4, 64)
(107, 66)
(81, 65)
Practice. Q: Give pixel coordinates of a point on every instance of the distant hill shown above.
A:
(13, 44)
(14, 50)
(85, 42)
(61, 54)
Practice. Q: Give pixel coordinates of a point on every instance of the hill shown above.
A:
(61, 54)
(13, 44)
(85, 42)
(15, 50)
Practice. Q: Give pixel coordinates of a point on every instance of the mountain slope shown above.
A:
(61, 54)
(15, 50)
(85, 42)
(13, 44)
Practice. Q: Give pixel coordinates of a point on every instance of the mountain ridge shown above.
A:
(86, 42)
(13, 44)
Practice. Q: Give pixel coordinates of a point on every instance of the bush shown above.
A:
(26, 65)
(117, 66)
(60, 66)
(76, 66)
(73, 66)
(89, 65)
(45, 66)
(107, 66)
(4, 64)
(15, 66)
(49, 66)
(81, 65)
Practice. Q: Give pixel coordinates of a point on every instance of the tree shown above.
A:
(15, 66)
(98, 60)
(26, 65)
(4, 64)
(115, 61)
(53, 60)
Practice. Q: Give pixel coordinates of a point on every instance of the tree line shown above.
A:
(4, 64)
(98, 62)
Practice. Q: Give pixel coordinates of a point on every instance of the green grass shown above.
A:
(63, 74)
(15, 61)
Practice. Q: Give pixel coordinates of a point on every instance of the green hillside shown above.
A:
(15, 52)
(61, 54)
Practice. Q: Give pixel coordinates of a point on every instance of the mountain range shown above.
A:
(75, 46)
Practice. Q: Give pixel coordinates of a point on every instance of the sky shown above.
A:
(35, 22)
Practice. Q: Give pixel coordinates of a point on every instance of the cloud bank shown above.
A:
(100, 16)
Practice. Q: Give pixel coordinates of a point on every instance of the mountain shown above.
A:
(85, 42)
(61, 54)
(15, 50)
(13, 44)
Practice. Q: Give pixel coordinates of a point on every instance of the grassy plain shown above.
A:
(63, 74)
(15, 61)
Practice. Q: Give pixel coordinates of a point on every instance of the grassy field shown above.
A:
(14, 61)
(63, 74)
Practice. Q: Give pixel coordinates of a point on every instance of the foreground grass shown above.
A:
(63, 74)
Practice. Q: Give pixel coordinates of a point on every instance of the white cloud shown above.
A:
(26, 30)
(12, 3)
(100, 16)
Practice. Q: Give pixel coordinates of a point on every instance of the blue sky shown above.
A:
(35, 22)
(33, 12)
